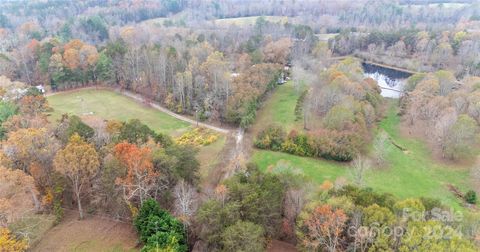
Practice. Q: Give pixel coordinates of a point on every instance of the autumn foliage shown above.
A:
(323, 228)
(18, 195)
(78, 161)
(8, 242)
(140, 176)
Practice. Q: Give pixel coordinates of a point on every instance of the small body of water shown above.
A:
(388, 79)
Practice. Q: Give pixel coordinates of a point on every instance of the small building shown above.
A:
(41, 88)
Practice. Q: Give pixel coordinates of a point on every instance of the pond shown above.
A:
(391, 81)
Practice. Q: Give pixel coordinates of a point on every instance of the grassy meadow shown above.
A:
(413, 173)
(279, 109)
(110, 105)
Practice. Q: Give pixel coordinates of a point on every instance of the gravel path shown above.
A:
(156, 106)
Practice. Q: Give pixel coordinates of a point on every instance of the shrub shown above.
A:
(297, 144)
(471, 197)
(299, 105)
(460, 138)
(290, 147)
(430, 203)
(196, 137)
(250, 114)
(158, 229)
(366, 196)
(243, 236)
(270, 138)
(328, 144)
(8, 241)
(410, 205)
(75, 125)
(335, 145)
(413, 81)
(338, 117)
(135, 132)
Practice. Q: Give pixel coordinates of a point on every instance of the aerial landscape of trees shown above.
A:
(245, 125)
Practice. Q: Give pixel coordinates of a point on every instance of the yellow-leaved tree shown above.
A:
(79, 163)
(8, 243)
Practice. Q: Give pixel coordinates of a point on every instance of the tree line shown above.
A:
(456, 49)
(437, 101)
(110, 166)
(189, 72)
(342, 110)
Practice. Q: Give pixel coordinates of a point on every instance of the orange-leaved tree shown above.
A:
(322, 226)
(78, 161)
(25, 147)
(141, 179)
(33, 105)
(18, 196)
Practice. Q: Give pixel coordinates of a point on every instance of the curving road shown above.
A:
(156, 106)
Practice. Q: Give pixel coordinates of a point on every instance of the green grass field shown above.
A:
(110, 105)
(279, 109)
(415, 173)
(208, 156)
(318, 170)
(409, 174)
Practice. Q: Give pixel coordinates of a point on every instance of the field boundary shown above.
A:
(154, 105)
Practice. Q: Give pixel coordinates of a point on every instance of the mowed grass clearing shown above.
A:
(318, 170)
(415, 173)
(111, 105)
(279, 109)
(409, 174)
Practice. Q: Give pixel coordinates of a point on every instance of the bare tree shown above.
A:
(360, 165)
(443, 125)
(380, 144)
(185, 201)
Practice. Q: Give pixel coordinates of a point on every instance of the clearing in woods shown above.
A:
(108, 104)
(111, 105)
(95, 233)
(409, 174)
(279, 109)
(91, 234)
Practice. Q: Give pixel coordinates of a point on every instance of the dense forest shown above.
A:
(239, 125)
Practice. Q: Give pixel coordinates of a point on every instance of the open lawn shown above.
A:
(317, 170)
(209, 156)
(413, 173)
(279, 109)
(110, 105)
